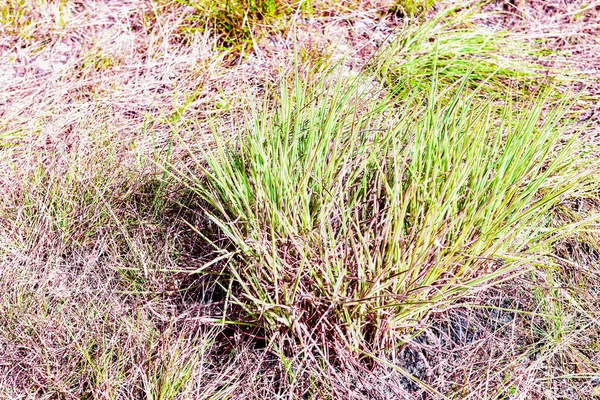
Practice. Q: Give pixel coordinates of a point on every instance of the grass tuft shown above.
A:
(236, 23)
(349, 215)
(412, 8)
(452, 46)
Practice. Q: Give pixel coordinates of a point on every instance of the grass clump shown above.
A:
(350, 215)
(412, 8)
(15, 19)
(451, 43)
(33, 20)
(236, 23)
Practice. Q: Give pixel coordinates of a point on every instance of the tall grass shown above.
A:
(349, 215)
(457, 47)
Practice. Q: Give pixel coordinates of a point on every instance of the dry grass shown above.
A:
(98, 294)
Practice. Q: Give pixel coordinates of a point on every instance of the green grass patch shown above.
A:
(453, 47)
(33, 20)
(350, 213)
(238, 23)
(412, 8)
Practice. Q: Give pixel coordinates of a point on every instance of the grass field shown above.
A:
(272, 199)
